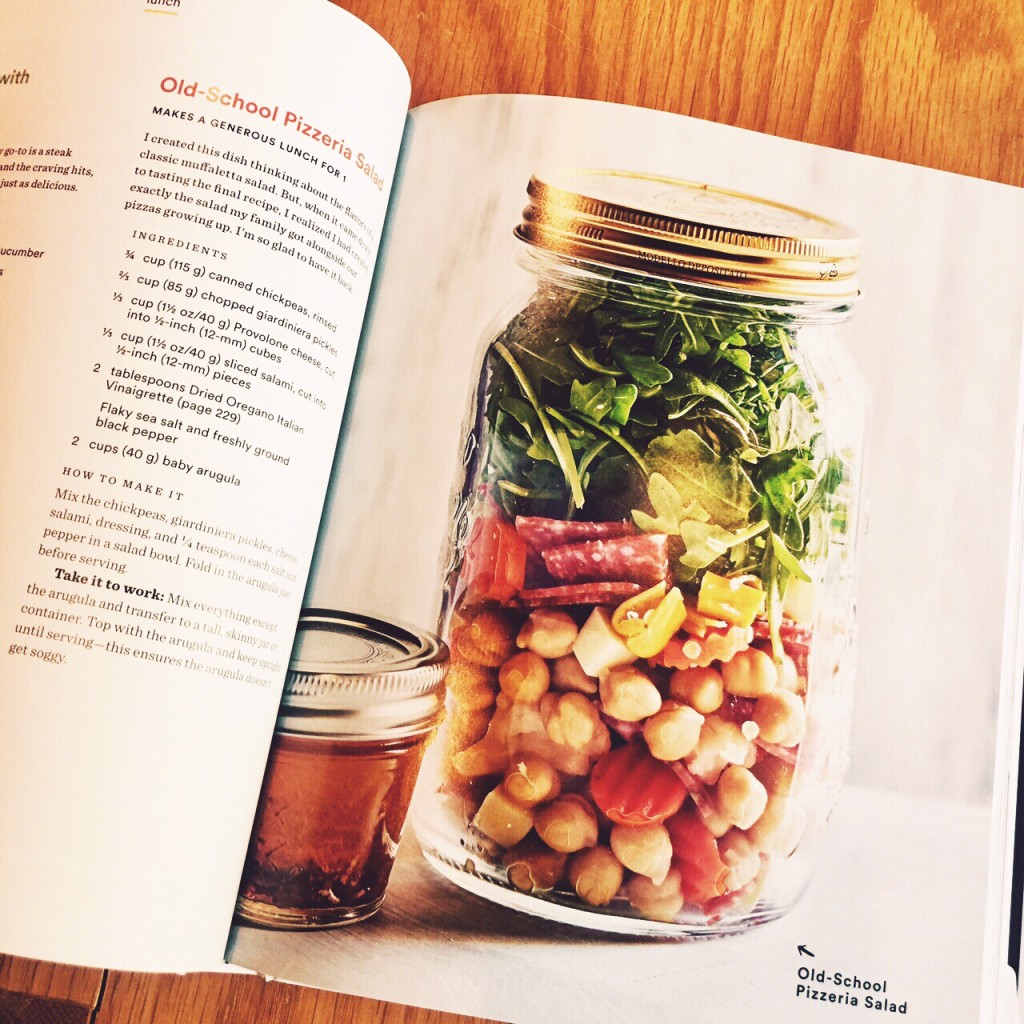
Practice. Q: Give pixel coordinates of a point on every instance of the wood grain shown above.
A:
(931, 82)
(925, 81)
(215, 999)
(58, 981)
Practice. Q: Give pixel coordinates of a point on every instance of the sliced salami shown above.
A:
(540, 533)
(642, 558)
(603, 592)
(627, 730)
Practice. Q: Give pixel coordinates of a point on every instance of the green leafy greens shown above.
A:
(634, 398)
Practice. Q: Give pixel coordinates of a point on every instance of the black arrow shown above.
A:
(803, 950)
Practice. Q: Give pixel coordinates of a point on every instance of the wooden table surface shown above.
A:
(934, 82)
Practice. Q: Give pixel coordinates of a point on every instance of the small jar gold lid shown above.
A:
(360, 676)
(686, 231)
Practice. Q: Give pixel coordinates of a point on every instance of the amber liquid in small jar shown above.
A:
(362, 698)
(325, 838)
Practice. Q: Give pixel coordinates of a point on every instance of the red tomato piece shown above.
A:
(633, 788)
(695, 854)
(494, 563)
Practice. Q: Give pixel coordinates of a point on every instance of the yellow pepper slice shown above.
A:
(660, 625)
(628, 618)
(734, 600)
(700, 625)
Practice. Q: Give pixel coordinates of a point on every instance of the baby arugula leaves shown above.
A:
(631, 396)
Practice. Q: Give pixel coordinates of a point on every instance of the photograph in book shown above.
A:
(620, 422)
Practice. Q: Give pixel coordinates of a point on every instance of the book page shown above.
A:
(895, 916)
(191, 202)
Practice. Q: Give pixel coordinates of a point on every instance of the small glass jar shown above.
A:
(362, 699)
(649, 588)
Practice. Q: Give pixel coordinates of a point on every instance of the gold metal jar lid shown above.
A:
(358, 676)
(686, 231)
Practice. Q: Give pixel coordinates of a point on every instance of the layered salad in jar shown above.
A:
(630, 601)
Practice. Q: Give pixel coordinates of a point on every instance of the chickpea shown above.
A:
(532, 866)
(714, 822)
(596, 875)
(645, 849)
(567, 824)
(673, 732)
(487, 639)
(657, 902)
(571, 719)
(502, 820)
(524, 677)
(779, 830)
(701, 688)
(568, 674)
(490, 753)
(530, 780)
(471, 685)
(749, 673)
(485, 757)
(741, 798)
(628, 694)
(741, 857)
(781, 717)
(466, 728)
(528, 734)
(721, 743)
(563, 759)
(548, 632)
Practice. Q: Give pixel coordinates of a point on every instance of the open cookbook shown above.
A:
(690, 457)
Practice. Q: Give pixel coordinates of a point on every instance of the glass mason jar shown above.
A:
(361, 701)
(648, 590)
